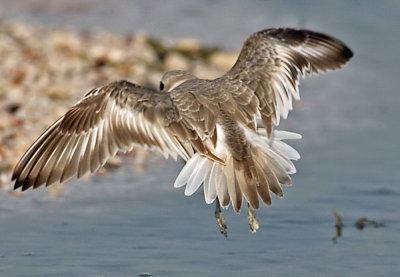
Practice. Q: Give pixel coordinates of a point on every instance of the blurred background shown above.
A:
(129, 219)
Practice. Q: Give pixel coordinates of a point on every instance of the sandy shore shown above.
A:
(44, 72)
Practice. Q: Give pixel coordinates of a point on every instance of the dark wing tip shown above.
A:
(17, 185)
(347, 53)
(24, 184)
(335, 51)
(298, 36)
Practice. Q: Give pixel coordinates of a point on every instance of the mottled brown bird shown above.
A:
(211, 124)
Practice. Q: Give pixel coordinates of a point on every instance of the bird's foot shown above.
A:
(252, 219)
(219, 217)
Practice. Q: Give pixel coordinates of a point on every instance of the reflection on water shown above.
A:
(365, 222)
(338, 225)
(126, 223)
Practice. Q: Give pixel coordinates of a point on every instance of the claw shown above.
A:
(252, 220)
(219, 217)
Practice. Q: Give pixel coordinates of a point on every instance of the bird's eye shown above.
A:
(161, 85)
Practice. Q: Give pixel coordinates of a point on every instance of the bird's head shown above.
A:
(174, 78)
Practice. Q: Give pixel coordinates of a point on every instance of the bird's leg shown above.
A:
(220, 219)
(251, 219)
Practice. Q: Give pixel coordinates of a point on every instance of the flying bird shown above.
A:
(210, 124)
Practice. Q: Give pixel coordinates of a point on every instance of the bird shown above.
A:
(209, 123)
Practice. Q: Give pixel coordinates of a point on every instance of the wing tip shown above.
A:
(301, 35)
(23, 184)
(27, 184)
(347, 53)
(17, 185)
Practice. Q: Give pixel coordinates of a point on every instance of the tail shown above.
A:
(267, 168)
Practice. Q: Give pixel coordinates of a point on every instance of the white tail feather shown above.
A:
(196, 178)
(187, 171)
(273, 157)
(280, 135)
(219, 181)
(286, 150)
(210, 188)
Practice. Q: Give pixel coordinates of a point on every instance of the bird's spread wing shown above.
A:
(117, 116)
(266, 74)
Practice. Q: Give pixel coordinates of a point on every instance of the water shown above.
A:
(129, 223)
